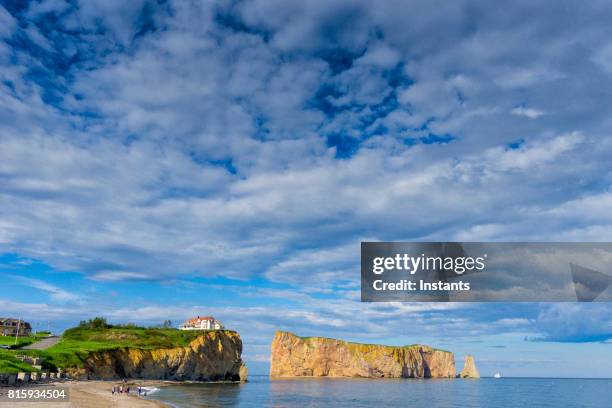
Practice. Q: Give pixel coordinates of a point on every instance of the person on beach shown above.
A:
(139, 390)
(121, 389)
(113, 390)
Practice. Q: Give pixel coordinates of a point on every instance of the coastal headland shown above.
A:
(130, 352)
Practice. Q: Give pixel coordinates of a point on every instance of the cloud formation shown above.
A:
(567, 322)
(264, 139)
(56, 293)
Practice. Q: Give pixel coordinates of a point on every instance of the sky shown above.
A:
(165, 159)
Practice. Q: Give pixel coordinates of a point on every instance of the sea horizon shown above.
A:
(414, 378)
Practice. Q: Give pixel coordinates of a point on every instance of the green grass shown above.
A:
(408, 346)
(137, 337)
(21, 341)
(10, 364)
(77, 343)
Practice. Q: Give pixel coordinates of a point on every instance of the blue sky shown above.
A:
(165, 159)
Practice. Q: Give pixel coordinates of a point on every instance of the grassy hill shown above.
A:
(77, 343)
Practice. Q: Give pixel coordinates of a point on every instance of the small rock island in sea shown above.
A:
(469, 369)
(294, 356)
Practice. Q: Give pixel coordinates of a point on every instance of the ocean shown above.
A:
(260, 391)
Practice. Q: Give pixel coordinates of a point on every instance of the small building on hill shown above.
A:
(14, 327)
(202, 323)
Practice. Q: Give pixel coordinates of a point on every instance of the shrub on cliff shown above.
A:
(95, 323)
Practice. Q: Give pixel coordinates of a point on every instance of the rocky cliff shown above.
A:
(469, 369)
(294, 356)
(213, 356)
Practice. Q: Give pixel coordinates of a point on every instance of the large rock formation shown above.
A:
(213, 356)
(294, 356)
(469, 369)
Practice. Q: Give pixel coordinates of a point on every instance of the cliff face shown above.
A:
(469, 369)
(293, 356)
(213, 356)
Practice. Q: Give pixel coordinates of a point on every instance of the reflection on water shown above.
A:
(350, 393)
(201, 395)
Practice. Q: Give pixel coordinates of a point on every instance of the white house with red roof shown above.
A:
(202, 323)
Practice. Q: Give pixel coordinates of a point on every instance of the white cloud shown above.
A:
(536, 154)
(530, 113)
(567, 322)
(7, 23)
(56, 293)
(603, 57)
(39, 311)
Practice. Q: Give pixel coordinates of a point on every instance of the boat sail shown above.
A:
(497, 375)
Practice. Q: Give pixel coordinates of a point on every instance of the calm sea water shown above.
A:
(339, 393)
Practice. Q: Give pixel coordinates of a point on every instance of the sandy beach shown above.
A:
(95, 394)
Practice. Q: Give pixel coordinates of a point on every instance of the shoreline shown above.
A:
(96, 394)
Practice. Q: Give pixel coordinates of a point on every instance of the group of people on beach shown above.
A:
(142, 392)
(120, 389)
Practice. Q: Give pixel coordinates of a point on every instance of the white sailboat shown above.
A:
(497, 375)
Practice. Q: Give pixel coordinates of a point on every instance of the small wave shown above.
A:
(149, 390)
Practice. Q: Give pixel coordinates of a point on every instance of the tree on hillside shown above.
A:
(95, 323)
